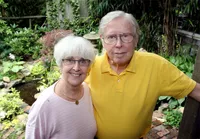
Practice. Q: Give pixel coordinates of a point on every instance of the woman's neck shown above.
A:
(68, 92)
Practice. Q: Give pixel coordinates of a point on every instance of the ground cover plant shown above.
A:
(10, 108)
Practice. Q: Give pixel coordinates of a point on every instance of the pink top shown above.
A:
(52, 117)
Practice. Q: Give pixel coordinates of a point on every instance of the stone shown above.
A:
(2, 85)
(6, 79)
(37, 95)
(160, 128)
(181, 109)
(91, 36)
(163, 132)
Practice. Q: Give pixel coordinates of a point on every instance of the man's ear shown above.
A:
(101, 37)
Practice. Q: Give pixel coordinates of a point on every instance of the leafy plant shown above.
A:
(38, 69)
(11, 68)
(189, 15)
(184, 62)
(5, 31)
(150, 37)
(10, 105)
(79, 25)
(47, 73)
(172, 117)
(19, 8)
(10, 109)
(3, 4)
(24, 43)
(173, 103)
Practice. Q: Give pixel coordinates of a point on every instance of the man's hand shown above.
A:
(196, 92)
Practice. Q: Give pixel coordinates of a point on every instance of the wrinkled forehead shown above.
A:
(119, 25)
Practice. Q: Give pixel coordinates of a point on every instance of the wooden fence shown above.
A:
(24, 17)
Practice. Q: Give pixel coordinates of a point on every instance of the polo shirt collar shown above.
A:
(105, 66)
(132, 65)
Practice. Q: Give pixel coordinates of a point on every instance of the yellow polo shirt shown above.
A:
(124, 103)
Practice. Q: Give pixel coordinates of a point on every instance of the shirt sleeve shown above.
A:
(36, 127)
(174, 82)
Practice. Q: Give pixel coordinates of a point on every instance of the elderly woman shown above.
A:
(64, 110)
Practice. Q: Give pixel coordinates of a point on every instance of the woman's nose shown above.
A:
(76, 66)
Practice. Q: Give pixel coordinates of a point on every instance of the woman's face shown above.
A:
(74, 70)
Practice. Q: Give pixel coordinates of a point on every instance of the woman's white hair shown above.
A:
(115, 14)
(72, 46)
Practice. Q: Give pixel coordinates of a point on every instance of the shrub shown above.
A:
(173, 117)
(10, 106)
(24, 43)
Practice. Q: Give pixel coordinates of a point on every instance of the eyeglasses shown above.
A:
(112, 39)
(81, 62)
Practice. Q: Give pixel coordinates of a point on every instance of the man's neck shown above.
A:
(118, 68)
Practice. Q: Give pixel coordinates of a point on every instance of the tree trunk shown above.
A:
(169, 24)
(190, 124)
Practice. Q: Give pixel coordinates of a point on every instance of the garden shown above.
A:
(26, 42)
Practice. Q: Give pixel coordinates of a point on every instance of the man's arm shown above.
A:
(196, 92)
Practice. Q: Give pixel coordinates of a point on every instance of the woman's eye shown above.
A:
(69, 60)
(82, 61)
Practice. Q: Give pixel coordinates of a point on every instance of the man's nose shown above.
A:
(118, 42)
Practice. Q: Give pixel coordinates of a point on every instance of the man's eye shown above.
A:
(111, 37)
(124, 35)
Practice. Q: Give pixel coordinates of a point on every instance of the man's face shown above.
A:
(119, 52)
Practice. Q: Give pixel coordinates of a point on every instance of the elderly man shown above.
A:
(125, 84)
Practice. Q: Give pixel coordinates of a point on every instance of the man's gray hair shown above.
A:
(73, 46)
(115, 14)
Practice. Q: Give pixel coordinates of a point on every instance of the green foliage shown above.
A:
(3, 4)
(48, 73)
(19, 8)
(173, 117)
(38, 69)
(173, 103)
(11, 68)
(189, 15)
(24, 43)
(49, 78)
(10, 105)
(10, 108)
(78, 25)
(184, 62)
(5, 31)
(57, 8)
(82, 26)
(98, 8)
(150, 37)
